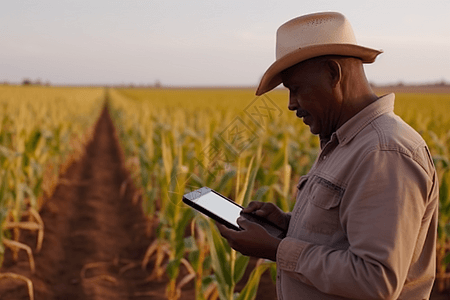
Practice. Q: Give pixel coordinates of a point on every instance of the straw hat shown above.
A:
(309, 36)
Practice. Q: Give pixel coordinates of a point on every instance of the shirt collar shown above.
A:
(351, 128)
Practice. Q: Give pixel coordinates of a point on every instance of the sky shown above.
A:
(206, 43)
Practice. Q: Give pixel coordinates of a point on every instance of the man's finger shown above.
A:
(244, 223)
(252, 206)
(223, 229)
(264, 210)
(261, 212)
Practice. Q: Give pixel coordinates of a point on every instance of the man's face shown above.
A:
(311, 96)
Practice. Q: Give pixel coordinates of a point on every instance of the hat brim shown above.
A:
(272, 77)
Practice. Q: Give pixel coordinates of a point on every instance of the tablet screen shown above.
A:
(219, 206)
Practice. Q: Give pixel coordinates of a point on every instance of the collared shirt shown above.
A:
(364, 224)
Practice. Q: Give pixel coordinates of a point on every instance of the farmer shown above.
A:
(364, 223)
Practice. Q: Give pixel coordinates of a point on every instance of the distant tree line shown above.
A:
(27, 81)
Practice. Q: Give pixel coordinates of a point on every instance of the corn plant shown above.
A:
(168, 134)
(38, 127)
(200, 260)
(443, 256)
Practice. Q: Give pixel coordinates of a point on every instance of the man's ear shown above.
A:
(335, 70)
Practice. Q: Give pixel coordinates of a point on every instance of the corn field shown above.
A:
(177, 140)
(42, 130)
(246, 148)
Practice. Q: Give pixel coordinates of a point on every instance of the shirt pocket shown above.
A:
(322, 209)
(301, 183)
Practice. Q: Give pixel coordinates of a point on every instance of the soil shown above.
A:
(95, 237)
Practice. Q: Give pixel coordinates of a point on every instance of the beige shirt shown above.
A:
(365, 222)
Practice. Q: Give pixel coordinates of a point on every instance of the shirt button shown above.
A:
(324, 157)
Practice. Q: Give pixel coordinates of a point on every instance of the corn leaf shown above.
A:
(239, 266)
(250, 289)
(219, 257)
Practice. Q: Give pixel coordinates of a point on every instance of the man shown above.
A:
(365, 220)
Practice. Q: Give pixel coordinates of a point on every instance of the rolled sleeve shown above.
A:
(288, 253)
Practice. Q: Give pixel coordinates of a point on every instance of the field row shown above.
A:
(42, 130)
(247, 148)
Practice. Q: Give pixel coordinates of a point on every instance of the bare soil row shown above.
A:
(95, 237)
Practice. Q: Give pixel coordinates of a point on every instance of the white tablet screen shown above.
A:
(219, 206)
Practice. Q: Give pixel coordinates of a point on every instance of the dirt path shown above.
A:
(94, 236)
(89, 224)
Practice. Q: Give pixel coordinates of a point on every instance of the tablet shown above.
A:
(226, 211)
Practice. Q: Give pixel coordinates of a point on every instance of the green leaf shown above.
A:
(439, 230)
(33, 141)
(207, 262)
(443, 190)
(219, 256)
(194, 258)
(196, 180)
(3, 188)
(207, 280)
(273, 272)
(250, 185)
(260, 193)
(444, 199)
(250, 289)
(447, 229)
(239, 266)
(278, 161)
(186, 216)
(189, 243)
(222, 254)
(446, 260)
(224, 180)
(173, 268)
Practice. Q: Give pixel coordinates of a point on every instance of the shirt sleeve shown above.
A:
(382, 212)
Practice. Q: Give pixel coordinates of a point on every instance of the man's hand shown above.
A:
(270, 212)
(253, 240)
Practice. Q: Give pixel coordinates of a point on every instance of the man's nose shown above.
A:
(293, 104)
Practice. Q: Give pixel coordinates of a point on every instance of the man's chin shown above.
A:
(313, 131)
(309, 122)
